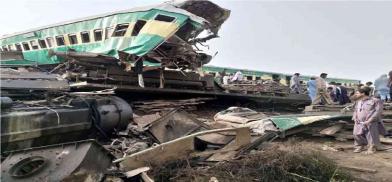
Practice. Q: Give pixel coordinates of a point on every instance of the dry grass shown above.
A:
(271, 165)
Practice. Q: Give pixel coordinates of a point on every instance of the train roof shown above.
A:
(166, 6)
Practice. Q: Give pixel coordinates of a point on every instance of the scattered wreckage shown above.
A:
(58, 126)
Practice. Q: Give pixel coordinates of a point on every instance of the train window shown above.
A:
(60, 40)
(108, 32)
(42, 44)
(98, 35)
(50, 41)
(120, 30)
(249, 77)
(138, 26)
(72, 39)
(11, 47)
(164, 18)
(85, 37)
(5, 48)
(18, 47)
(26, 46)
(34, 44)
(258, 78)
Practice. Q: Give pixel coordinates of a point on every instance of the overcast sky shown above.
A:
(345, 39)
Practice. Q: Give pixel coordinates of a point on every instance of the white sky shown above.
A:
(343, 38)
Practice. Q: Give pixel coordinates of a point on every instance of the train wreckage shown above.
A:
(61, 120)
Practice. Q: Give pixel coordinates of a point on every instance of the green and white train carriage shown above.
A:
(135, 31)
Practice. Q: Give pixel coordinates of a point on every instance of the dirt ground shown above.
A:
(380, 161)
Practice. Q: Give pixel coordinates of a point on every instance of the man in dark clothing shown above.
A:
(341, 94)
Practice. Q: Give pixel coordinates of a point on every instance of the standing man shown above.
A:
(382, 88)
(226, 79)
(295, 84)
(342, 94)
(237, 77)
(139, 71)
(322, 94)
(312, 88)
(367, 118)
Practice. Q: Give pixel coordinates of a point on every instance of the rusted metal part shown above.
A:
(180, 148)
(25, 125)
(76, 161)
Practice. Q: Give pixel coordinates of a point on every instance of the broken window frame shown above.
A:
(108, 32)
(26, 46)
(18, 47)
(5, 49)
(11, 47)
(49, 42)
(34, 44)
(173, 19)
(73, 39)
(58, 42)
(120, 29)
(85, 37)
(95, 34)
(42, 43)
(137, 28)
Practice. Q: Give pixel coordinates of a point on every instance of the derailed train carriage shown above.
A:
(161, 43)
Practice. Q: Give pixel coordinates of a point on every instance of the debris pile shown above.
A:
(258, 87)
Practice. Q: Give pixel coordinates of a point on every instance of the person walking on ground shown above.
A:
(322, 96)
(367, 122)
(381, 87)
(295, 85)
(312, 88)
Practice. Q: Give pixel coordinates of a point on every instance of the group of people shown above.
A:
(367, 110)
(319, 91)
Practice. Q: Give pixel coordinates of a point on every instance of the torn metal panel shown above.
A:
(238, 115)
(216, 138)
(242, 139)
(176, 149)
(77, 161)
(146, 120)
(137, 171)
(174, 124)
